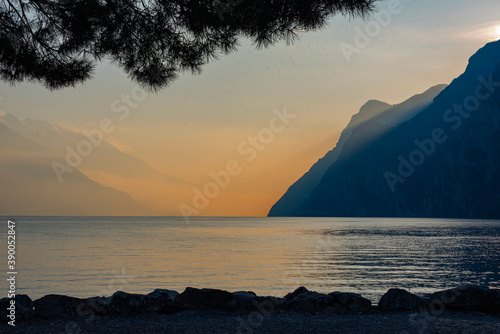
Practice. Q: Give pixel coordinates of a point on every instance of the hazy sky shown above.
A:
(197, 124)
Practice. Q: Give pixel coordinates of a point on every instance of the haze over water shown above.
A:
(89, 256)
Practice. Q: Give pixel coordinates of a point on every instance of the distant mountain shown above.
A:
(443, 163)
(373, 119)
(106, 164)
(29, 186)
(104, 157)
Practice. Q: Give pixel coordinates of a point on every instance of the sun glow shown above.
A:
(497, 32)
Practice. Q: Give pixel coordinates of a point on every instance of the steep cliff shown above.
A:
(373, 119)
(444, 162)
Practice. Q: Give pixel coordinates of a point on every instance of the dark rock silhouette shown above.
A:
(305, 300)
(193, 298)
(131, 303)
(58, 306)
(23, 308)
(248, 301)
(467, 298)
(352, 301)
(166, 301)
(401, 300)
(335, 302)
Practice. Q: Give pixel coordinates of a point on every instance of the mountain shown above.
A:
(373, 119)
(442, 163)
(31, 188)
(105, 163)
(104, 157)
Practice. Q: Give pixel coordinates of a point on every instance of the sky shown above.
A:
(297, 98)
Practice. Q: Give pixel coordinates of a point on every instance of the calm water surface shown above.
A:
(88, 256)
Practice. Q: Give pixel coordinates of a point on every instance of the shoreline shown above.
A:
(466, 309)
(293, 322)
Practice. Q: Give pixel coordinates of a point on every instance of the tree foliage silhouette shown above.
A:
(58, 42)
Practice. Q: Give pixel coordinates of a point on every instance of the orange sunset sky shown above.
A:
(203, 122)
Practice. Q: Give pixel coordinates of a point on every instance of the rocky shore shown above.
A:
(467, 309)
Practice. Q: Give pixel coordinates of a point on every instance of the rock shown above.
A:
(335, 302)
(266, 305)
(401, 300)
(299, 291)
(95, 306)
(495, 295)
(59, 306)
(200, 299)
(248, 301)
(304, 300)
(53, 306)
(23, 308)
(244, 294)
(165, 301)
(131, 303)
(245, 300)
(164, 294)
(466, 298)
(352, 301)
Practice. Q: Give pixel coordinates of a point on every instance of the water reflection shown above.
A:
(82, 256)
(423, 258)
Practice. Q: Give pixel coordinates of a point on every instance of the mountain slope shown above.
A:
(105, 164)
(104, 157)
(373, 119)
(30, 186)
(445, 162)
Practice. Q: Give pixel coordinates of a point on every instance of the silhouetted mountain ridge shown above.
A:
(444, 162)
(373, 119)
(33, 189)
(105, 157)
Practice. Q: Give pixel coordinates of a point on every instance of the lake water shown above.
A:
(89, 256)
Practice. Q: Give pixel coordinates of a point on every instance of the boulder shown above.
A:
(299, 291)
(94, 306)
(58, 306)
(495, 295)
(165, 301)
(131, 303)
(245, 300)
(23, 308)
(304, 300)
(200, 299)
(244, 295)
(335, 302)
(164, 294)
(401, 300)
(353, 302)
(467, 298)
(248, 301)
